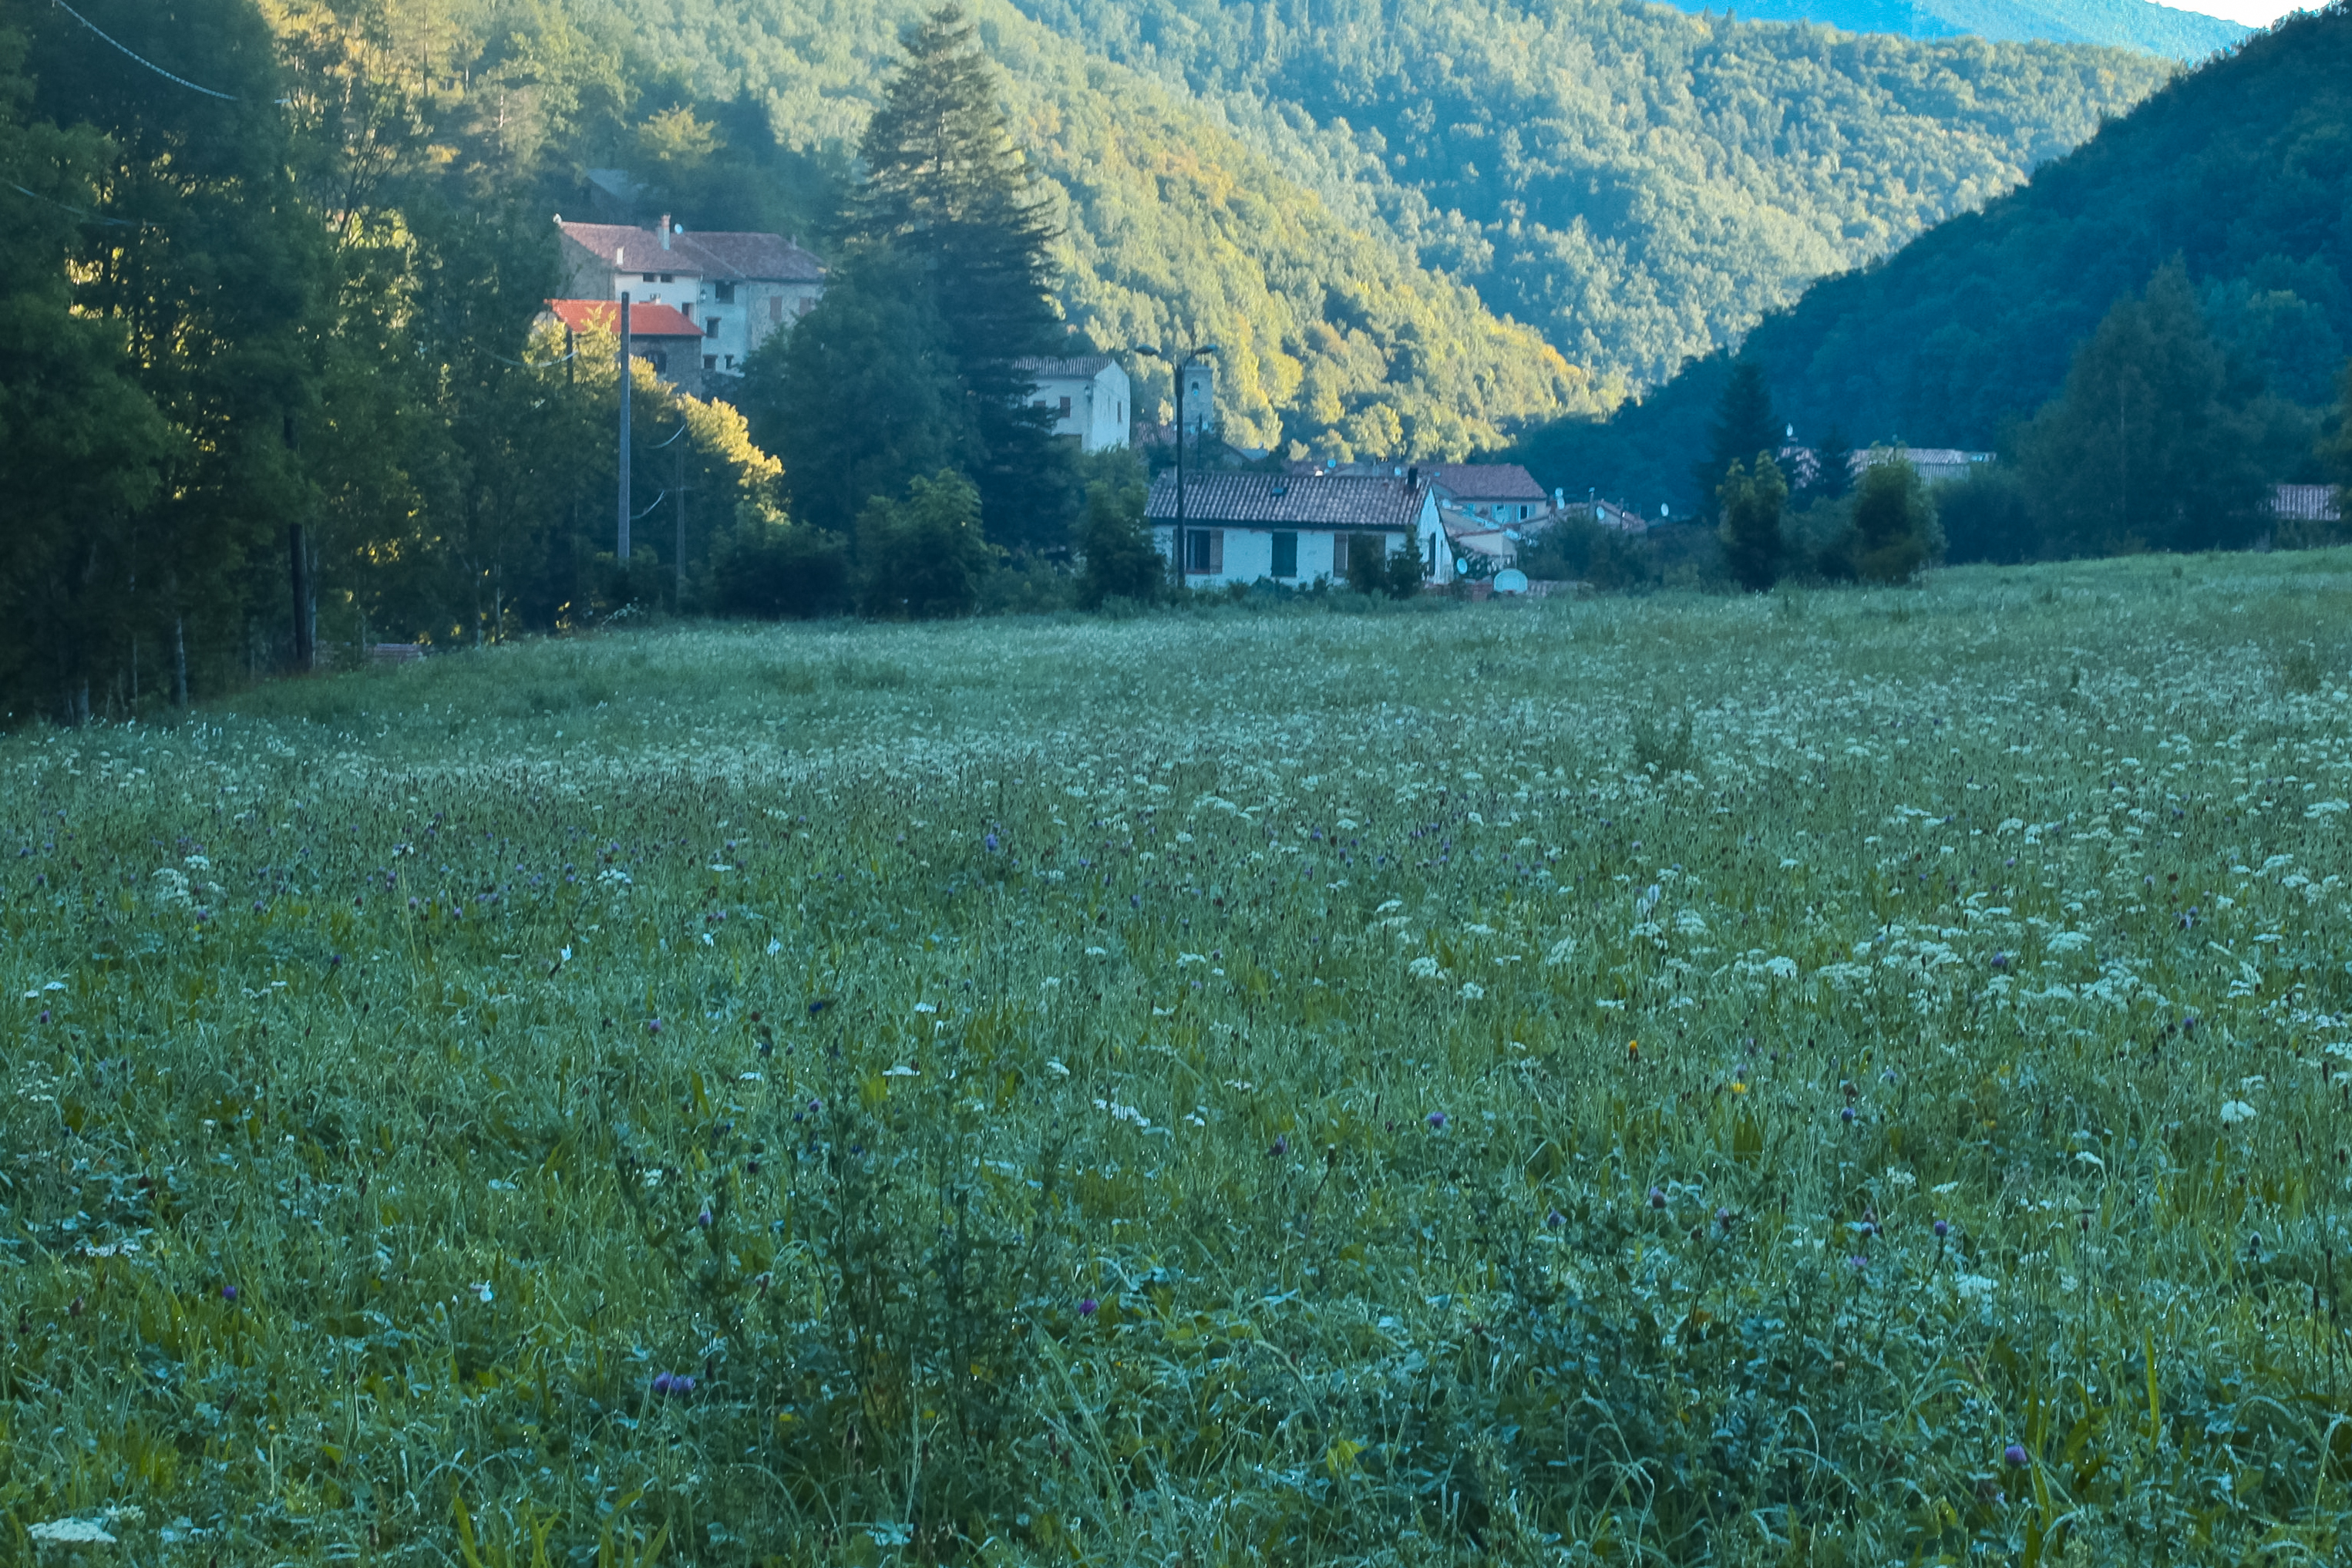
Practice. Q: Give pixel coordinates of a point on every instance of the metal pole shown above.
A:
(1182, 565)
(679, 506)
(624, 547)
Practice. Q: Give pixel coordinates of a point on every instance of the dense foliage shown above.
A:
(1805, 1080)
(1638, 184)
(2184, 34)
(2242, 170)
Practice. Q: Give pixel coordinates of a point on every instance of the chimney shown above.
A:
(1413, 477)
(665, 231)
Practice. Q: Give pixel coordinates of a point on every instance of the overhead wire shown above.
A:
(151, 65)
(79, 212)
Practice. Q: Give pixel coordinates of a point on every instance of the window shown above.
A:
(668, 277)
(648, 276)
(710, 362)
(1286, 555)
(710, 326)
(1066, 408)
(775, 307)
(1204, 550)
(726, 293)
(660, 361)
(731, 362)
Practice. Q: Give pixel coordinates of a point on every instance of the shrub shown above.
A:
(923, 558)
(1121, 562)
(770, 569)
(1894, 531)
(1752, 499)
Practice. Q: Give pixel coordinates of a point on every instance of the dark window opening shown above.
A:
(1204, 550)
(660, 360)
(1286, 555)
(1066, 408)
(669, 276)
(725, 292)
(710, 362)
(648, 277)
(711, 326)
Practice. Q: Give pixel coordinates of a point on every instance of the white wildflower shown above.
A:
(2237, 1113)
(1472, 991)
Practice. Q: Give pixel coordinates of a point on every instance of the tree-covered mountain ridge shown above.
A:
(1412, 228)
(2240, 171)
(2184, 34)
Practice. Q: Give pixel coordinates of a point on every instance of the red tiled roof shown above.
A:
(646, 319)
(1288, 501)
(768, 257)
(1484, 481)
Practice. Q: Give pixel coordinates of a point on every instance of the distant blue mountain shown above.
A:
(2131, 24)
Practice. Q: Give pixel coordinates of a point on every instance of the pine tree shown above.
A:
(1743, 424)
(1833, 472)
(945, 187)
(1752, 499)
(2150, 445)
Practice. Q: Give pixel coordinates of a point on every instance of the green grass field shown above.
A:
(1856, 1078)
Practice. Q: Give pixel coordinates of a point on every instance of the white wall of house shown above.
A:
(1248, 555)
(1095, 409)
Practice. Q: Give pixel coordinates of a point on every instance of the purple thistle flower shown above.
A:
(1724, 1218)
(1943, 1228)
(1846, 1116)
(703, 1219)
(653, 1026)
(44, 1014)
(1555, 1219)
(1087, 1305)
(989, 842)
(1436, 1119)
(2015, 1453)
(661, 1383)
(1859, 1261)
(229, 1293)
(2001, 960)
(1657, 1197)
(1280, 1146)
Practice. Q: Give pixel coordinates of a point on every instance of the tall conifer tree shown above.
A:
(1744, 426)
(945, 187)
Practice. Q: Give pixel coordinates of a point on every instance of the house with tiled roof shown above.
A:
(1499, 492)
(1089, 395)
(1292, 529)
(661, 335)
(737, 288)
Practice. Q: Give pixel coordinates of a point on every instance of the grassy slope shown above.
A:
(482, 1058)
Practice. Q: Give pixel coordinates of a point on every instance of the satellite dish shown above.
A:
(1510, 580)
(1461, 564)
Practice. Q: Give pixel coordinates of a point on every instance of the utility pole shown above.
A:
(623, 545)
(1181, 362)
(678, 507)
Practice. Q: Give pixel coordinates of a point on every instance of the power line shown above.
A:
(151, 65)
(79, 212)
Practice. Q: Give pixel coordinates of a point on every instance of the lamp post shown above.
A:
(1179, 362)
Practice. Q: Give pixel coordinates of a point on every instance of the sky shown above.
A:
(2252, 13)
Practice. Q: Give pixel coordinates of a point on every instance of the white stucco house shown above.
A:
(1089, 395)
(1291, 528)
(737, 288)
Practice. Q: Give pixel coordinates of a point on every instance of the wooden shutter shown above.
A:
(1217, 551)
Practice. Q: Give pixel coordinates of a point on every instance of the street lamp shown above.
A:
(1178, 362)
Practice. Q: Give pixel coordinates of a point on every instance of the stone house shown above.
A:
(735, 288)
(1292, 529)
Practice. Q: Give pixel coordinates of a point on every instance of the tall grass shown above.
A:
(1848, 1078)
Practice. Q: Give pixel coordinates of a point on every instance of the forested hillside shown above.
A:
(1639, 185)
(2130, 24)
(272, 263)
(2242, 170)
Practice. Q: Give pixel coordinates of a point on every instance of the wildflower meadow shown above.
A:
(1847, 1077)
